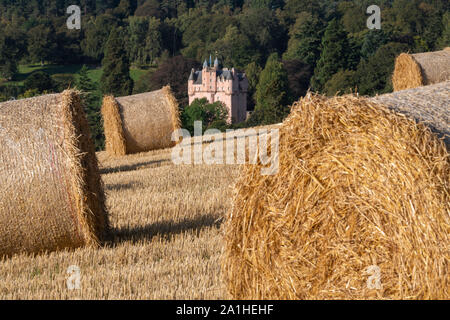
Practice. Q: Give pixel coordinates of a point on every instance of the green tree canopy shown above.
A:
(373, 39)
(39, 80)
(201, 110)
(96, 35)
(145, 40)
(299, 74)
(235, 49)
(252, 72)
(305, 39)
(200, 30)
(342, 82)
(12, 49)
(116, 78)
(264, 30)
(353, 15)
(374, 75)
(335, 54)
(272, 92)
(444, 40)
(41, 43)
(92, 104)
(174, 72)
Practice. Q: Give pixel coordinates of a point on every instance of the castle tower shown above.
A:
(224, 85)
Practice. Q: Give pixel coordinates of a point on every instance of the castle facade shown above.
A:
(224, 85)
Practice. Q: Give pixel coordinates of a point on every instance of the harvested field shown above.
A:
(165, 221)
(167, 239)
(236, 134)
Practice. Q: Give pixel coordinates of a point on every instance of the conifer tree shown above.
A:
(252, 72)
(84, 83)
(92, 106)
(335, 54)
(116, 78)
(305, 39)
(444, 40)
(272, 92)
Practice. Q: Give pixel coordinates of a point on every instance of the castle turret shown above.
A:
(191, 82)
(191, 76)
(216, 64)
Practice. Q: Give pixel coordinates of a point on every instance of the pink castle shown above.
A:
(216, 84)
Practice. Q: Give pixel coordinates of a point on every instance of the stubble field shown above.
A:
(166, 238)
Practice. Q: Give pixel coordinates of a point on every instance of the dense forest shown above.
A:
(284, 46)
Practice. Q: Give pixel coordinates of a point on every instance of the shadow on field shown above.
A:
(123, 186)
(164, 229)
(133, 167)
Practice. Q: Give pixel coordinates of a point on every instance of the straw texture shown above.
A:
(141, 122)
(52, 196)
(360, 187)
(420, 69)
(113, 128)
(429, 105)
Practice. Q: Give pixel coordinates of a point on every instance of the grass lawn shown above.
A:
(94, 73)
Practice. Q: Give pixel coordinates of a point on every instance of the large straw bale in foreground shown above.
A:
(51, 194)
(141, 122)
(360, 190)
(420, 69)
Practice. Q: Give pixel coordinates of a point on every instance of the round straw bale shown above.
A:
(420, 69)
(52, 195)
(362, 193)
(140, 122)
(428, 104)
